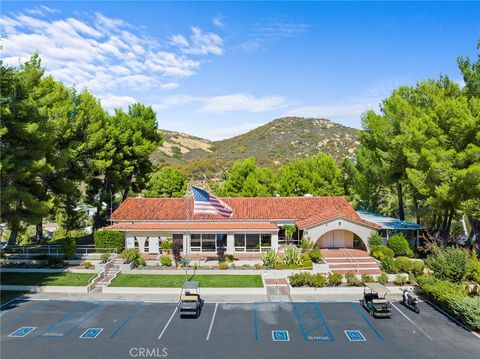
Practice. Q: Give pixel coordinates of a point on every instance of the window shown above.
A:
(204, 242)
(252, 242)
(239, 240)
(208, 243)
(221, 240)
(195, 242)
(266, 241)
(147, 245)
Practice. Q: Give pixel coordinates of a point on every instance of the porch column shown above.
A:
(230, 243)
(141, 243)
(129, 241)
(275, 242)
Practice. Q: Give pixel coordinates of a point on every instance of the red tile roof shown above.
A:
(306, 210)
(195, 226)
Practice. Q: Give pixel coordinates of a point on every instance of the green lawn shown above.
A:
(176, 281)
(7, 296)
(41, 279)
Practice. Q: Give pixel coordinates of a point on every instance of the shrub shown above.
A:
(316, 280)
(280, 265)
(404, 264)
(315, 255)
(68, 246)
(87, 265)
(352, 279)
(306, 243)
(418, 267)
(307, 279)
(468, 309)
(270, 259)
(104, 257)
(133, 255)
(367, 279)
(453, 298)
(292, 256)
(105, 240)
(475, 268)
(335, 279)
(388, 265)
(451, 263)
(382, 279)
(399, 245)
(375, 240)
(166, 261)
(381, 252)
(400, 280)
(166, 244)
(223, 265)
(307, 263)
(299, 279)
(258, 266)
(55, 262)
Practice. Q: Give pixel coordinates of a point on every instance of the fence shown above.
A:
(28, 251)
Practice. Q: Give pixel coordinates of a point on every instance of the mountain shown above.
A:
(272, 144)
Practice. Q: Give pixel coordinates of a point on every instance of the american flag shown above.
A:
(205, 203)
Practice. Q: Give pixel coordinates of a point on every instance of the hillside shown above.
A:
(272, 144)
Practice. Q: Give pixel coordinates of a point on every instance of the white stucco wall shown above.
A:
(361, 231)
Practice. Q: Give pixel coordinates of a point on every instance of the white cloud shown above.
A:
(271, 32)
(199, 43)
(106, 55)
(239, 102)
(242, 102)
(110, 102)
(218, 21)
(41, 10)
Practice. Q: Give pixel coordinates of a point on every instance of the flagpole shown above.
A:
(187, 244)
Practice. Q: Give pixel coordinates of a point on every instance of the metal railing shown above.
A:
(102, 272)
(32, 250)
(348, 258)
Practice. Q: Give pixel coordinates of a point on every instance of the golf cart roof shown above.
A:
(190, 285)
(376, 287)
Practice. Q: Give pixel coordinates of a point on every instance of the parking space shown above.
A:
(134, 329)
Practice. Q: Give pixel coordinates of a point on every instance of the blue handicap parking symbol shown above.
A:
(355, 335)
(21, 332)
(280, 335)
(91, 333)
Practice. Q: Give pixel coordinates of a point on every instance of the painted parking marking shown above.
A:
(91, 333)
(166, 325)
(411, 321)
(369, 323)
(355, 335)
(36, 308)
(280, 336)
(211, 323)
(22, 332)
(48, 332)
(312, 324)
(130, 316)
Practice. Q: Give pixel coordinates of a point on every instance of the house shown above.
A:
(256, 224)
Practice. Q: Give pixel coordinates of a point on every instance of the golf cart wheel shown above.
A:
(417, 310)
(372, 313)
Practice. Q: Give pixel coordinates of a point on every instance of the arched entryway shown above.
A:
(340, 238)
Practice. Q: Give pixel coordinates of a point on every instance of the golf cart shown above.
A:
(374, 300)
(190, 302)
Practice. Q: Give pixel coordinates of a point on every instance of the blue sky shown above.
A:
(218, 69)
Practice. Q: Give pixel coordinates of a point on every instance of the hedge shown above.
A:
(106, 239)
(399, 245)
(381, 252)
(453, 298)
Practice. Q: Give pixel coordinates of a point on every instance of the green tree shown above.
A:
(24, 145)
(318, 175)
(245, 179)
(166, 183)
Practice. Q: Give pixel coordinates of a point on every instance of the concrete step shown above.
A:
(362, 271)
(354, 265)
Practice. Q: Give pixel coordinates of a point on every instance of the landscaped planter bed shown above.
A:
(46, 279)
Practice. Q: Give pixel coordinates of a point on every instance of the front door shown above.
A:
(338, 239)
(153, 246)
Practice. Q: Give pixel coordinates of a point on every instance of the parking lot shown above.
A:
(53, 329)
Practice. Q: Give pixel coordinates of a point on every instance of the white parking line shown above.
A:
(211, 323)
(166, 325)
(411, 321)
